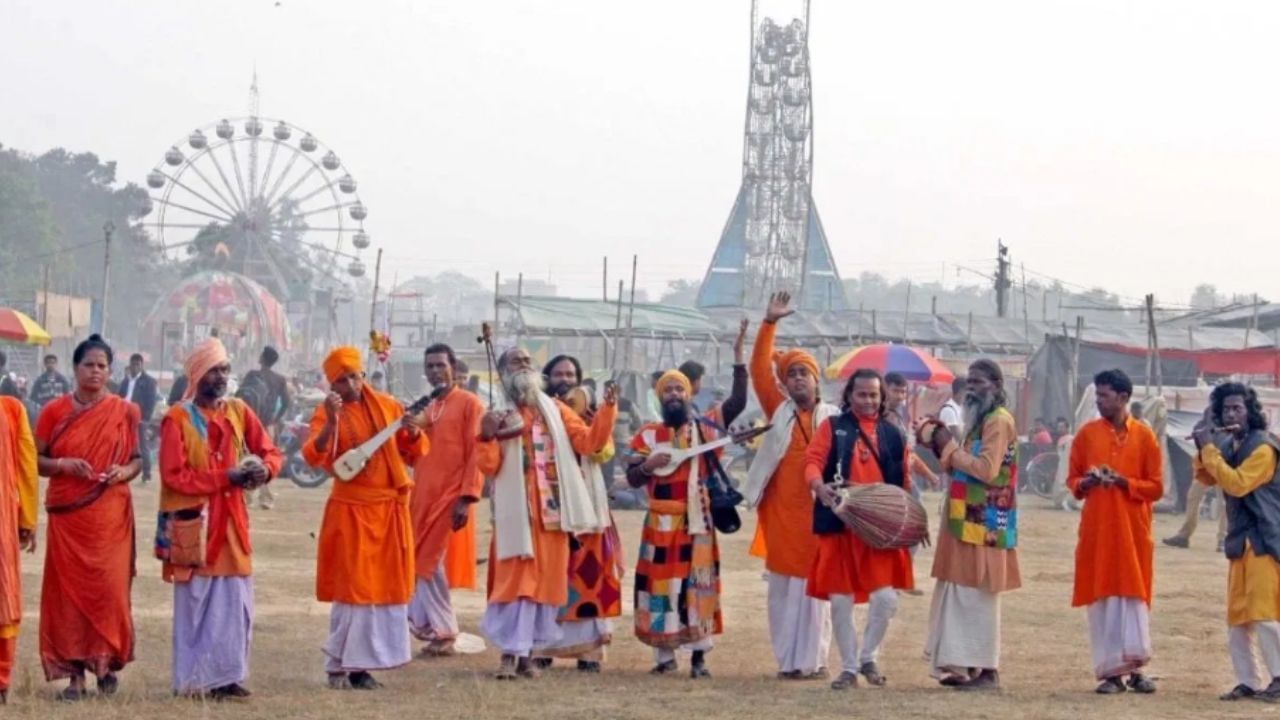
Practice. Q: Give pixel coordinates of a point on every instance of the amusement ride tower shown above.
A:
(774, 239)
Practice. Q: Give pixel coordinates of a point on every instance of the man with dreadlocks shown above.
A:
(975, 559)
(859, 446)
(595, 572)
(1237, 454)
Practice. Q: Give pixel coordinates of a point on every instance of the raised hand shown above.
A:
(778, 307)
(610, 393)
(739, 345)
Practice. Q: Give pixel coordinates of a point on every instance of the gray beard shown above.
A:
(523, 387)
(976, 408)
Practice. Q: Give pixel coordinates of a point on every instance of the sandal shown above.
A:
(507, 669)
(72, 694)
(664, 668)
(339, 681)
(846, 681)
(108, 685)
(871, 672)
(1141, 684)
(1111, 686)
(1239, 692)
(364, 681)
(528, 668)
(698, 664)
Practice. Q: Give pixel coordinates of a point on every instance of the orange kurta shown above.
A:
(193, 477)
(1114, 551)
(19, 485)
(365, 553)
(86, 618)
(784, 531)
(442, 476)
(542, 578)
(844, 564)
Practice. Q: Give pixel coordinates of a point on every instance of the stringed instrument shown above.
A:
(354, 460)
(512, 423)
(681, 455)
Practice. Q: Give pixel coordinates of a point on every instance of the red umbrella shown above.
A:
(884, 358)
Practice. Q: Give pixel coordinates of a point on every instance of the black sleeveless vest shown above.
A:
(890, 447)
(1256, 516)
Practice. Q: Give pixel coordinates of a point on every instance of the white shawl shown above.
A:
(513, 529)
(775, 445)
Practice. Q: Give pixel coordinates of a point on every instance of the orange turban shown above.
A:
(343, 360)
(784, 362)
(206, 356)
(674, 376)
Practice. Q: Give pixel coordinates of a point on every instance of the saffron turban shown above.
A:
(784, 361)
(206, 356)
(674, 376)
(343, 360)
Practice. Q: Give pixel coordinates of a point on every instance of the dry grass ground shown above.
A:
(1046, 666)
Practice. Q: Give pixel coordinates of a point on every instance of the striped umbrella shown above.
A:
(913, 364)
(17, 327)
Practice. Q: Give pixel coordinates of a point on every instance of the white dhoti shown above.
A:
(519, 627)
(1240, 641)
(367, 637)
(212, 631)
(662, 655)
(431, 615)
(1120, 635)
(581, 639)
(799, 626)
(964, 630)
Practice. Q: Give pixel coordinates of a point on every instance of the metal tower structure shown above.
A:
(774, 239)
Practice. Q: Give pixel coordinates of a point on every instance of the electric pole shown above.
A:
(107, 229)
(1003, 283)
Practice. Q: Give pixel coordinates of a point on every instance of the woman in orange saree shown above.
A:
(87, 445)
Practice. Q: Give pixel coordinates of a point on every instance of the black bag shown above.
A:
(725, 498)
(256, 393)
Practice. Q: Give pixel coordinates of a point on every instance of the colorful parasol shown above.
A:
(17, 327)
(913, 364)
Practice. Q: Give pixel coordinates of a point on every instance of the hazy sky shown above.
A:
(1134, 145)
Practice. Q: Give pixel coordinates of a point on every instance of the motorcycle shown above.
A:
(293, 434)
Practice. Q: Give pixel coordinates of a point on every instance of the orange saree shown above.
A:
(86, 622)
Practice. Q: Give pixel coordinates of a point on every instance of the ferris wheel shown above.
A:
(273, 195)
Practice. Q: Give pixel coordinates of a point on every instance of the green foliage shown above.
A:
(54, 207)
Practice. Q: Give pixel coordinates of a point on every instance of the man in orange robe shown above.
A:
(19, 487)
(787, 387)
(364, 562)
(859, 446)
(1116, 465)
(446, 485)
(203, 442)
(539, 499)
(88, 448)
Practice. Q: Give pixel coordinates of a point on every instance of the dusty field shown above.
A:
(1046, 656)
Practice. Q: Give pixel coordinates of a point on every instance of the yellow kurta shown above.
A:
(1253, 581)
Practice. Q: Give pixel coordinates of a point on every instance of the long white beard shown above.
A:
(522, 387)
(976, 408)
